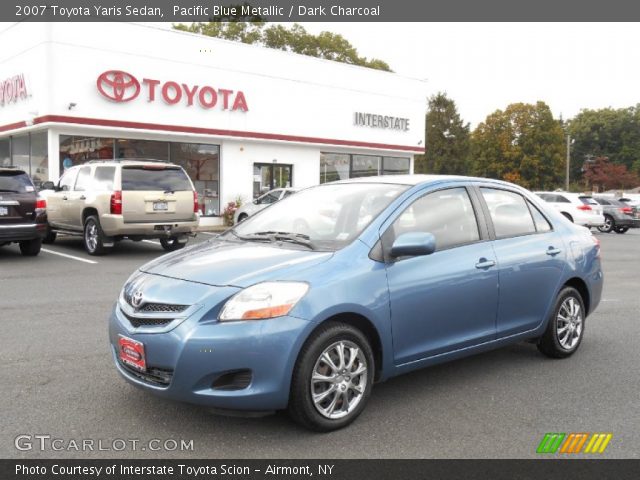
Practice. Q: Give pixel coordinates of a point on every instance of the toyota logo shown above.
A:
(136, 299)
(118, 86)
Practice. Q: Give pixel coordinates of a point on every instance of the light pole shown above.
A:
(566, 178)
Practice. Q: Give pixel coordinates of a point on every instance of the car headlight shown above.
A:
(263, 300)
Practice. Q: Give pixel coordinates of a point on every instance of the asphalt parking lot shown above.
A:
(58, 378)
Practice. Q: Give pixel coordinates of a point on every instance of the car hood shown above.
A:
(240, 264)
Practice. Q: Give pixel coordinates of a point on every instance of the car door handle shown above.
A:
(484, 263)
(65, 198)
(82, 197)
(553, 251)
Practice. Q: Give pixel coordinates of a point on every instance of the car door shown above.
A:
(56, 201)
(447, 300)
(76, 198)
(531, 259)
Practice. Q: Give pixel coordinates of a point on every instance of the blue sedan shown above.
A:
(307, 304)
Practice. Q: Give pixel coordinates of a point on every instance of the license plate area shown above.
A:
(160, 206)
(131, 353)
(4, 211)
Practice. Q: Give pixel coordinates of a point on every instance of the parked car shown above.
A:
(262, 202)
(107, 201)
(23, 218)
(618, 216)
(577, 208)
(265, 317)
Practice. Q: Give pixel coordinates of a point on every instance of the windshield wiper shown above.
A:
(272, 236)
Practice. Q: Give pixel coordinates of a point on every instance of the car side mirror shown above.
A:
(255, 202)
(48, 185)
(413, 244)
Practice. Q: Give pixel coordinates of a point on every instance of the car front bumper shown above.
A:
(114, 226)
(18, 232)
(195, 354)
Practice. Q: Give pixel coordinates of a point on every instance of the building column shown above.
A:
(53, 152)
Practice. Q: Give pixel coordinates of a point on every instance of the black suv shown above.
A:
(23, 217)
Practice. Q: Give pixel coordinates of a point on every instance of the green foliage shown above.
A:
(522, 144)
(447, 139)
(254, 30)
(608, 132)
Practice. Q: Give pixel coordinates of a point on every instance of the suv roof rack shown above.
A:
(120, 160)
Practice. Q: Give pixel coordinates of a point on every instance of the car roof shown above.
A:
(419, 179)
(130, 162)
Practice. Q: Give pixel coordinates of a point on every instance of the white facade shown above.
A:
(291, 110)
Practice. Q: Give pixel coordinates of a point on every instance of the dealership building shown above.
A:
(240, 119)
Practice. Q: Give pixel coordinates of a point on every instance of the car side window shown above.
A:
(287, 193)
(103, 178)
(541, 222)
(270, 198)
(509, 213)
(447, 214)
(67, 179)
(84, 179)
(561, 199)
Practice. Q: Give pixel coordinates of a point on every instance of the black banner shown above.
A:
(317, 10)
(546, 469)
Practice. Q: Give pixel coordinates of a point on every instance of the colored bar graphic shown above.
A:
(574, 443)
(550, 442)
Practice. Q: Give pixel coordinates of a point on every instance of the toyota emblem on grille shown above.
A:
(136, 299)
(118, 86)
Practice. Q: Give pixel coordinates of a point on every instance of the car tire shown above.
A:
(50, 236)
(609, 224)
(565, 328)
(30, 248)
(567, 216)
(621, 229)
(171, 244)
(349, 380)
(93, 237)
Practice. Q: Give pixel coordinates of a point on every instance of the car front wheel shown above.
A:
(565, 328)
(621, 229)
(332, 379)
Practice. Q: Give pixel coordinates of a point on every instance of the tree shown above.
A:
(447, 139)
(254, 30)
(607, 132)
(600, 174)
(523, 144)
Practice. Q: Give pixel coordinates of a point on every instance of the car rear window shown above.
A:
(155, 178)
(15, 182)
(588, 200)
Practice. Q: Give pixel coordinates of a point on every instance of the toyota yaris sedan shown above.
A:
(302, 310)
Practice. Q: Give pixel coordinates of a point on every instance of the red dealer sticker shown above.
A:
(132, 353)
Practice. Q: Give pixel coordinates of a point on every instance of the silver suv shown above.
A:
(107, 201)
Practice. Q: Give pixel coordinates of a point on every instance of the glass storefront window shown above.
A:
(20, 152)
(5, 152)
(39, 158)
(395, 165)
(334, 166)
(202, 164)
(267, 176)
(76, 150)
(147, 149)
(365, 166)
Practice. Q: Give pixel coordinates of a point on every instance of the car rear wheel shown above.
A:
(332, 379)
(50, 237)
(621, 229)
(94, 237)
(609, 224)
(31, 248)
(565, 328)
(171, 244)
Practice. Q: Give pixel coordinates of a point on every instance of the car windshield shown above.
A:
(326, 217)
(152, 177)
(15, 182)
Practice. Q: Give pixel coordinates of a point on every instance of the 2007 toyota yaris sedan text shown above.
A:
(308, 303)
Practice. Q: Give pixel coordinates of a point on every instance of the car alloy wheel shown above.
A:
(569, 323)
(91, 237)
(338, 379)
(608, 226)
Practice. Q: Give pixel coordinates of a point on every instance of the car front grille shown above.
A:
(146, 321)
(160, 377)
(162, 308)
